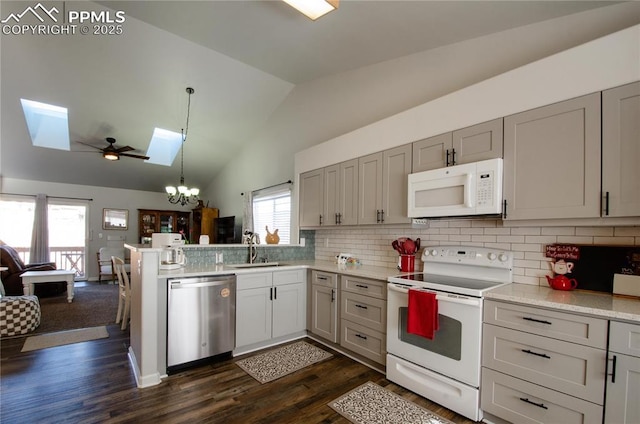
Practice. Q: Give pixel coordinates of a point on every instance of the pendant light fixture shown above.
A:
(182, 194)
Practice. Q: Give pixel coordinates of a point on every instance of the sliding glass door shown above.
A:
(67, 221)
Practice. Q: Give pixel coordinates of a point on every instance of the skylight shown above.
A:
(164, 147)
(48, 124)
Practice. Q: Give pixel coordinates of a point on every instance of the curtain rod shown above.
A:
(48, 197)
(275, 185)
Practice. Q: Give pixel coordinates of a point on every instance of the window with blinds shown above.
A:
(272, 208)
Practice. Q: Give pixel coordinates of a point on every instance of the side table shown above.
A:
(30, 278)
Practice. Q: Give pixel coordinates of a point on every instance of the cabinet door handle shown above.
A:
(320, 219)
(360, 336)
(362, 286)
(447, 161)
(453, 156)
(319, 277)
(340, 218)
(382, 216)
(504, 209)
(606, 203)
(270, 293)
(614, 361)
(539, 405)
(361, 306)
(275, 293)
(377, 215)
(333, 295)
(542, 355)
(536, 320)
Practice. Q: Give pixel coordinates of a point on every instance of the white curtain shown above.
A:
(39, 251)
(247, 215)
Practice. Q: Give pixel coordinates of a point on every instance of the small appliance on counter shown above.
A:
(172, 255)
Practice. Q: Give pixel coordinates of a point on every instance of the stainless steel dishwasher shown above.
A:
(201, 318)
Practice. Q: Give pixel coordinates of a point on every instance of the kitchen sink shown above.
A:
(256, 265)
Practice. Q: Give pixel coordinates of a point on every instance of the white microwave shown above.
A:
(469, 189)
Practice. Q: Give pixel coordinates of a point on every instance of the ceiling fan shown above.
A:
(112, 153)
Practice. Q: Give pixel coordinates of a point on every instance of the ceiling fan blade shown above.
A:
(124, 149)
(89, 145)
(134, 156)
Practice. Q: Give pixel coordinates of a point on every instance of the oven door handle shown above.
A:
(440, 297)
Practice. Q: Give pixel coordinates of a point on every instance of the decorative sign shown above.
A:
(563, 251)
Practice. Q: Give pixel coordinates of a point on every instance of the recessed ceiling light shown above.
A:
(48, 124)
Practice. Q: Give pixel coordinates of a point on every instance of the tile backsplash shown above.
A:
(372, 245)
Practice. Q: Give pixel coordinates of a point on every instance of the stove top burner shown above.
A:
(472, 287)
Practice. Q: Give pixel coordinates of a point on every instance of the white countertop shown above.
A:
(364, 271)
(603, 305)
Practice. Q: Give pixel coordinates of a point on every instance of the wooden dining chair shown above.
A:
(124, 293)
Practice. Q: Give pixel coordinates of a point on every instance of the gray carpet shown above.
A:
(371, 403)
(93, 305)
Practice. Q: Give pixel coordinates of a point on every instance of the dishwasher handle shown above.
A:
(186, 284)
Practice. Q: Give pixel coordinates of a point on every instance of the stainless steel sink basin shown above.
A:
(256, 265)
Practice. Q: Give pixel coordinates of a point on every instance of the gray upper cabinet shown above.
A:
(471, 144)
(311, 198)
(382, 188)
(341, 194)
(621, 151)
(552, 161)
(478, 142)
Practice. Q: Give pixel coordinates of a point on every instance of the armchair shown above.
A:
(105, 266)
(11, 277)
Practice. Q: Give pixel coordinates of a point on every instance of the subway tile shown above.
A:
(540, 239)
(575, 239)
(526, 264)
(627, 231)
(499, 246)
(619, 241)
(526, 231)
(497, 231)
(460, 238)
(511, 239)
(594, 231)
(558, 231)
(483, 239)
(472, 231)
(450, 231)
(522, 279)
(526, 247)
(484, 223)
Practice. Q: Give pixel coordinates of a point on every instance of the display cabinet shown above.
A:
(203, 223)
(158, 221)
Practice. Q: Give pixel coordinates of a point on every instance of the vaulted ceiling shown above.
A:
(242, 58)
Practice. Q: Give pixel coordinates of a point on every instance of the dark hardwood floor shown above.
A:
(92, 382)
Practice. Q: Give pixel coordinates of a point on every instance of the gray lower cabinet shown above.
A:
(623, 379)
(363, 314)
(324, 301)
(542, 366)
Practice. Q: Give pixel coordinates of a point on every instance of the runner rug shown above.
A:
(371, 403)
(60, 338)
(279, 362)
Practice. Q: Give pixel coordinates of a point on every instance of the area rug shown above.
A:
(279, 362)
(371, 403)
(60, 338)
(93, 305)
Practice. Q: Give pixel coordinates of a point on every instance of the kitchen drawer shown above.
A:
(365, 310)
(254, 280)
(364, 286)
(289, 276)
(518, 401)
(558, 325)
(572, 369)
(624, 338)
(369, 343)
(327, 279)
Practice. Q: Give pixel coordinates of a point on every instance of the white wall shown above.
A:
(327, 108)
(103, 197)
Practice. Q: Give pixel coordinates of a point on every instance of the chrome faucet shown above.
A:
(252, 239)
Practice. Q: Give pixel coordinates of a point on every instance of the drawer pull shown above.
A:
(539, 405)
(542, 355)
(361, 306)
(322, 278)
(362, 286)
(536, 320)
(361, 337)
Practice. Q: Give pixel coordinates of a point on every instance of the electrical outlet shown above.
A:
(302, 241)
(419, 223)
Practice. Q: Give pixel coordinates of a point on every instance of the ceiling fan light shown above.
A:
(171, 190)
(111, 156)
(182, 189)
(313, 9)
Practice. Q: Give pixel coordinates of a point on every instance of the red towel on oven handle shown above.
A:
(422, 316)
